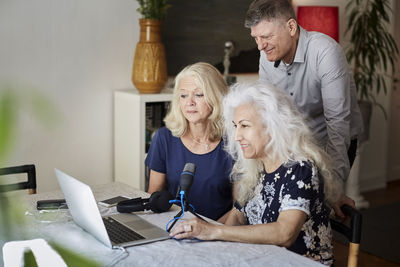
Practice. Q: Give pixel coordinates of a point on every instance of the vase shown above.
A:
(149, 73)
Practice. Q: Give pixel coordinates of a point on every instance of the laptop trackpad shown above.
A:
(147, 230)
(139, 225)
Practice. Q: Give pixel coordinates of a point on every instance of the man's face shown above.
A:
(275, 38)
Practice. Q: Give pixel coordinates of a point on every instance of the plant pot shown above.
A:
(366, 112)
(149, 73)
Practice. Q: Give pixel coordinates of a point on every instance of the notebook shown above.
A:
(83, 208)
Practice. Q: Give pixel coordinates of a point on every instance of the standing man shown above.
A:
(312, 69)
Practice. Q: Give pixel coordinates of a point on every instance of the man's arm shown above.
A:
(335, 91)
(336, 97)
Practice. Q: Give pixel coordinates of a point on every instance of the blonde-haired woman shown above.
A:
(285, 182)
(194, 133)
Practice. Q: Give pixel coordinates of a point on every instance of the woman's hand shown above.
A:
(194, 228)
(283, 232)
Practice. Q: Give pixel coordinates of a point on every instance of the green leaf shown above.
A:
(378, 85)
(8, 118)
(384, 85)
(72, 258)
(29, 259)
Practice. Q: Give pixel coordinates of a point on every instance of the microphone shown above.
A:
(186, 180)
(185, 183)
(276, 64)
(158, 202)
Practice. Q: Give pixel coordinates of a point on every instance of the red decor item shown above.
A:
(323, 19)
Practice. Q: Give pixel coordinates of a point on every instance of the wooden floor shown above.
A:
(375, 198)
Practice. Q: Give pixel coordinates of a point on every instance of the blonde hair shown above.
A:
(290, 138)
(211, 82)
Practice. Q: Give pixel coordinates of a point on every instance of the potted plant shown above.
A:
(149, 73)
(153, 9)
(372, 52)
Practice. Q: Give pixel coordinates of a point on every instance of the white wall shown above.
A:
(76, 53)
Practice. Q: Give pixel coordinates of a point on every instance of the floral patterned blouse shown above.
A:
(296, 186)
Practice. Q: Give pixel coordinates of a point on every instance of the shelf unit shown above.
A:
(130, 134)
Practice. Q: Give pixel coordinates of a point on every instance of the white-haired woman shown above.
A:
(193, 133)
(285, 182)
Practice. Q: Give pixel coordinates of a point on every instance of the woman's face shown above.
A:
(250, 133)
(192, 101)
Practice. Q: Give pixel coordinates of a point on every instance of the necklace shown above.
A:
(206, 146)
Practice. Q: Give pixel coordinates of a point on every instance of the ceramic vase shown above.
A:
(149, 73)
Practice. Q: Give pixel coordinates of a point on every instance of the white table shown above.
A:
(58, 226)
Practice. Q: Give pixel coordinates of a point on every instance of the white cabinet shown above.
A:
(130, 134)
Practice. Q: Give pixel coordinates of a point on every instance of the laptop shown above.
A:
(118, 230)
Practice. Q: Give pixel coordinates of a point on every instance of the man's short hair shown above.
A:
(268, 10)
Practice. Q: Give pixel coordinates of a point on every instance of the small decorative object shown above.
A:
(229, 47)
(228, 51)
(149, 73)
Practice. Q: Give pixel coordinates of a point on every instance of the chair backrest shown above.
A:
(30, 184)
(352, 232)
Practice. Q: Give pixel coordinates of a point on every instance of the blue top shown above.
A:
(299, 187)
(211, 191)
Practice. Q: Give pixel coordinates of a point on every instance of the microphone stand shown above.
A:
(186, 207)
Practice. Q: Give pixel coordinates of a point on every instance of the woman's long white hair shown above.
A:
(290, 138)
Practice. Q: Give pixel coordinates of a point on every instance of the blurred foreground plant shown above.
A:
(13, 101)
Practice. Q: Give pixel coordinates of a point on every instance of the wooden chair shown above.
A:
(30, 184)
(352, 232)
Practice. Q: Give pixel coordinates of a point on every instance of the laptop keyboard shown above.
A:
(119, 233)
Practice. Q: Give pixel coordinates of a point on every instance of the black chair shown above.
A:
(30, 184)
(352, 232)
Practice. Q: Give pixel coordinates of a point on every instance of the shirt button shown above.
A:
(291, 93)
(289, 73)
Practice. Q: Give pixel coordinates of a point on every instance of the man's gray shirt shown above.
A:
(321, 85)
